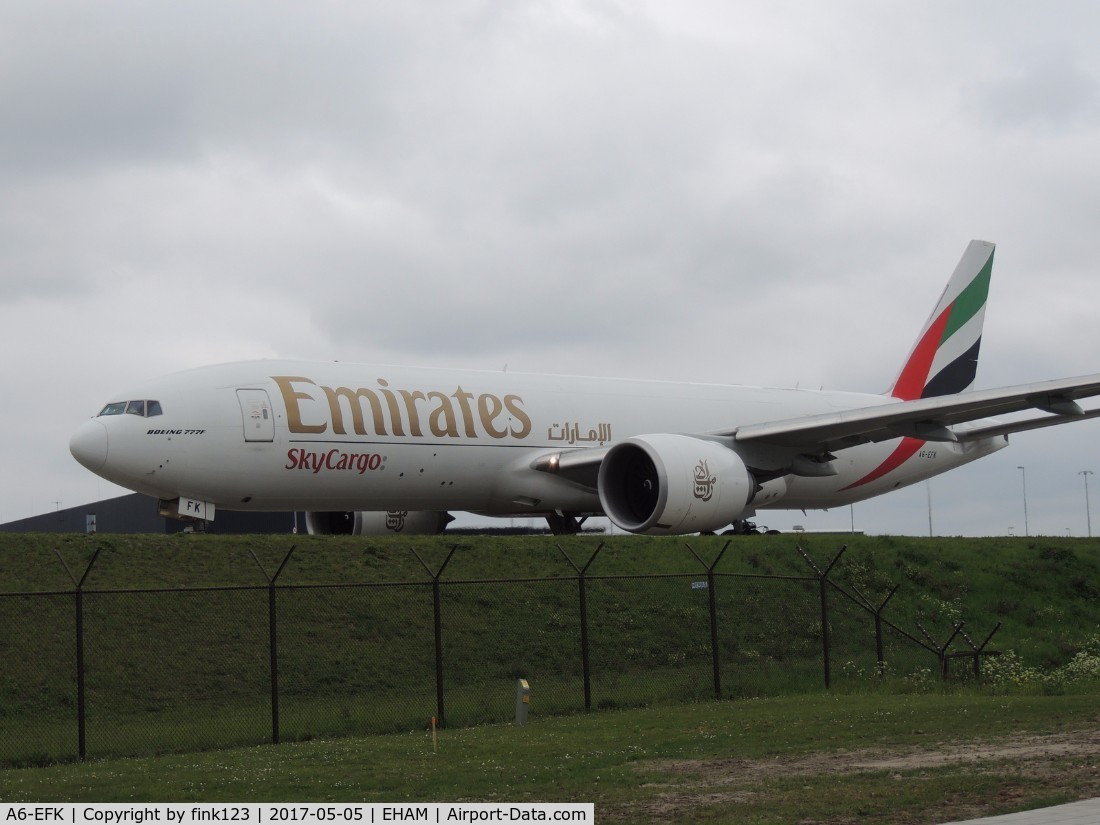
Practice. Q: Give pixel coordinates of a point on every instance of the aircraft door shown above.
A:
(257, 414)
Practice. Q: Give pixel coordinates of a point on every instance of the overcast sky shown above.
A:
(758, 193)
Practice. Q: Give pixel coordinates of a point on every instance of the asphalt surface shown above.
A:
(1075, 813)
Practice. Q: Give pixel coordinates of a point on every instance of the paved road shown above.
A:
(1076, 813)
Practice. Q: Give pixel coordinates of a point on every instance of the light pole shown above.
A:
(1088, 514)
(1023, 473)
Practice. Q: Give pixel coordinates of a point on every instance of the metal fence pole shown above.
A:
(825, 640)
(81, 703)
(712, 596)
(823, 582)
(273, 651)
(586, 664)
(715, 658)
(582, 587)
(980, 651)
(880, 650)
(437, 610)
(977, 651)
(272, 638)
(941, 650)
(866, 604)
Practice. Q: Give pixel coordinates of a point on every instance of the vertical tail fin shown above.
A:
(944, 360)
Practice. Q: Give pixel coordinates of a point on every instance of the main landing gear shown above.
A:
(565, 524)
(741, 527)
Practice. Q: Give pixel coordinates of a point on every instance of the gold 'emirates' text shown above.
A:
(384, 411)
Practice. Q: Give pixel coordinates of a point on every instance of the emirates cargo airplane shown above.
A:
(366, 449)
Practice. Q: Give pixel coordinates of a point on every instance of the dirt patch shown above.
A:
(700, 783)
(1026, 748)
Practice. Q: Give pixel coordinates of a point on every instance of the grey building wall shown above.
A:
(136, 513)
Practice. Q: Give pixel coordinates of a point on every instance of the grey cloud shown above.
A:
(1053, 92)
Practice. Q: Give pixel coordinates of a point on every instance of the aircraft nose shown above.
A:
(89, 445)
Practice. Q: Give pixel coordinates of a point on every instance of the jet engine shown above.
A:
(377, 522)
(667, 484)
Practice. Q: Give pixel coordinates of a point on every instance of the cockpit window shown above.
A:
(142, 407)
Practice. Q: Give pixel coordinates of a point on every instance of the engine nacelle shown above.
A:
(665, 484)
(377, 522)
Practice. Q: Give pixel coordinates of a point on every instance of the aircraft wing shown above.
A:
(929, 419)
(1021, 425)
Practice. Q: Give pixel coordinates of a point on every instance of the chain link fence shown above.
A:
(98, 672)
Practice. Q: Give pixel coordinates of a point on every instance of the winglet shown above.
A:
(944, 360)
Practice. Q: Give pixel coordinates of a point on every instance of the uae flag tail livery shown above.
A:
(944, 359)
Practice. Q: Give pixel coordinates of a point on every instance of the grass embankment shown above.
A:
(181, 669)
(873, 758)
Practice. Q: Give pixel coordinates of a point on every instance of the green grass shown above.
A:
(775, 760)
(180, 669)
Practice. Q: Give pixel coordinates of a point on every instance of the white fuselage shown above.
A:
(286, 435)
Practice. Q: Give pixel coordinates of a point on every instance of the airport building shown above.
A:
(136, 513)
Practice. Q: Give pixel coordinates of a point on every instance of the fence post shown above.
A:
(977, 651)
(582, 586)
(272, 640)
(877, 613)
(81, 705)
(823, 582)
(437, 611)
(712, 596)
(880, 652)
(941, 650)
